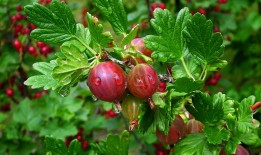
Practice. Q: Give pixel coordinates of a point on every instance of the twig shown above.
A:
(166, 78)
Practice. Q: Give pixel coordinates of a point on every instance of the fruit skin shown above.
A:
(9, 92)
(177, 131)
(239, 151)
(143, 81)
(194, 126)
(131, 107)
(162, 87)
(107, 81)
(139, 45)
(17, 44)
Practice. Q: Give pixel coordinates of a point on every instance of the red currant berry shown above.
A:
(216, 8)
(45, 50)
(48, 1)
(110, 114)
(212, 81)
(31, 50)
(154, 6)
(37, 95)
(162, 6)
(12, 80)
(217, 76)
(40, 44)
(162, 87)
(9, 92)
(6, 107)
(80, 131)
(13, 19)
(25, 31)
(202, 11)
(143, 81)
(19, 8)
(216, 29)
(79, 138)
(85, 144)
(19, 16)
(17, 44)
(107, 81)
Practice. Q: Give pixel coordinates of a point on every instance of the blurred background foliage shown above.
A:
(28, 114)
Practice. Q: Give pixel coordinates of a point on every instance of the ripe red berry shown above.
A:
(222, 1)
(239, 151)
(37, 95)
(48, 1)
(40, 44)
(138, 44)
(143, 81)
(31, 50)
(202, 11)
(19, 16)
(177, 131)
(162, 6)
(18, 28)
(216, 29)
(216, 8)
(17, 44)
(217, 76)
(79, 138)
(154, 6)
(107, 81)
(162, 87)
(110, 114)
(6, 107)
(85, 144)
(25, 31)
(9, 92)
(45, 49)
(211, 81)
(19, 8)
(13, 19)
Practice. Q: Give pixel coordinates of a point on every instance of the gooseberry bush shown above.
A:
(155, 82)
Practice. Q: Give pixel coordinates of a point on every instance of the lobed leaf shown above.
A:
(195, 144)
(168, 45)
(46, 80)
(207, 110)
(201, 41)
(54, 25)
(114, 12)
(97, 34)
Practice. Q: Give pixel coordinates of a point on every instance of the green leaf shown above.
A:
(46, 80)
(58, 130)
(114, 12)
(187, 85)
(54, 25)
(83, 34)
(70, 70)
(216, 134)
(231, 145)
(75, 148)
(178, 70)
(201, 41)
(195, 144)
(102, 38)
(168, 32)
(215, 65)
(207, 110)
(157, 98)
(114, 144)
(245, 115)
(23, 113)
(151, 120)
(55, 146)
(128, 38)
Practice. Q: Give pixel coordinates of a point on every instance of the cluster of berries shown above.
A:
(22, 41)
(79, 137)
